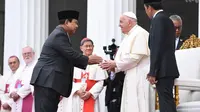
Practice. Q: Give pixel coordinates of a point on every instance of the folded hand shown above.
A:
(80, 93)
(86, 95)
(6, 106)
(14, 96)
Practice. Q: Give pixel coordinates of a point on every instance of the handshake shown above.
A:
(104, 64)
(94, 59)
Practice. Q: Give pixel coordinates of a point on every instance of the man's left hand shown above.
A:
(151, 79)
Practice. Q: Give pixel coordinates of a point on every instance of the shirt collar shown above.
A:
(177, 38)
(157, 12)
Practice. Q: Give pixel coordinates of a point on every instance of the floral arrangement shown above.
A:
(192, 42)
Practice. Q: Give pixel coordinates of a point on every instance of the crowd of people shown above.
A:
(64, 80)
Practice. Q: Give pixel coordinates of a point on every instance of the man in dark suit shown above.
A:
(53, 74)
(176, 19)
(163, 67)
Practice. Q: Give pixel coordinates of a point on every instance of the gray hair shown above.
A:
(29, 48)
(176, 18)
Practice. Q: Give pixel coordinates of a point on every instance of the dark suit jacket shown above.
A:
(162, 47)
(180, 42)
(54, 68)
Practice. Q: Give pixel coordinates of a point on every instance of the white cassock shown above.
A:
(91, 80)
(6, 81)
(133, 58)
(22, 87)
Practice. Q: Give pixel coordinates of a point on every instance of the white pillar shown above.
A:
(129, 5)
(26, 24)
(103, 21)
(197, 1)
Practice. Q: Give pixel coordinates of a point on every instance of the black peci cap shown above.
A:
(152, 1)
(68, 14)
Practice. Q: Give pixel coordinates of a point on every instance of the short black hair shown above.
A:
(62, 21)
(155, 5)
(13, 56)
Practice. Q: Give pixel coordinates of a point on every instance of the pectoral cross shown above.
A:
(84, 76)
(18, 84)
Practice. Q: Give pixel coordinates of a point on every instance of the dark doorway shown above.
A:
(79, 5)
(2, 15)
(188, 10)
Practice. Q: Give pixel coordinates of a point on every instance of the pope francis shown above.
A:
(133, 58)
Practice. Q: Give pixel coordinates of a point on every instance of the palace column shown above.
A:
(26, 24)
(197, 1)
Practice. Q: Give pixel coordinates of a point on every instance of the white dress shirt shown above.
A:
(157, 12)
(176, 42)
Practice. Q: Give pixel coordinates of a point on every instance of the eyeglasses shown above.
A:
(178, 27)
(27, 53)
(88, 46)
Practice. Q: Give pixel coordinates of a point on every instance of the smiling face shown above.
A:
(124, 24)
(87, 48)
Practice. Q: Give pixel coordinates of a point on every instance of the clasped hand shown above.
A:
(14, 96)
(5, 106)
(152, 80)
(84, 95)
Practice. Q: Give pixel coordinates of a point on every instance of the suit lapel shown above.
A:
(180, 42)
(151, 32)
